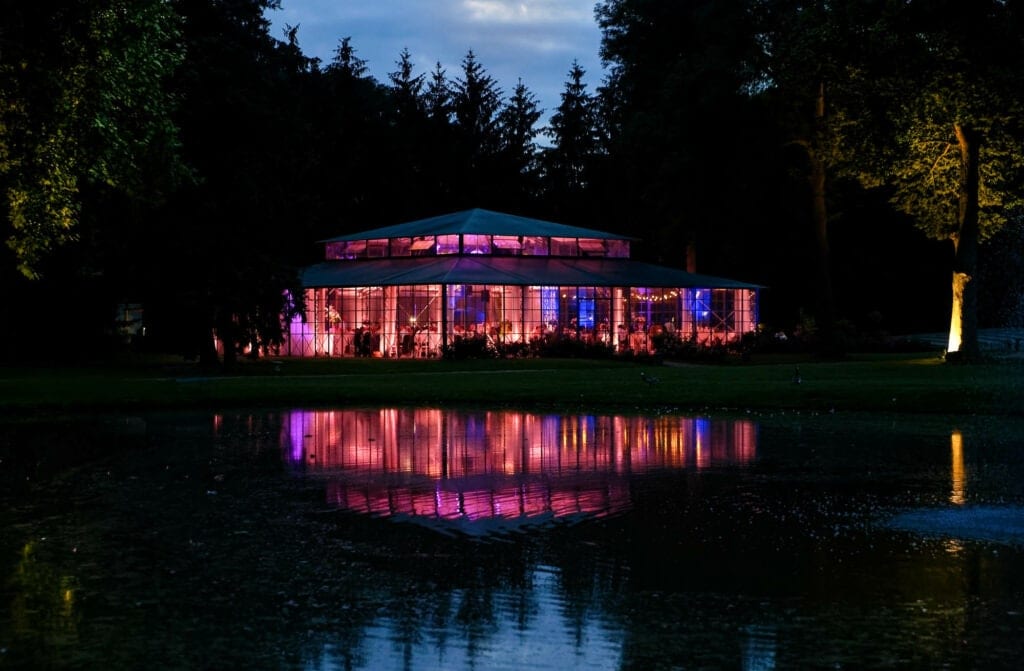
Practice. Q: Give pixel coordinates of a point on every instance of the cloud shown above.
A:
(532, 12)
(532, 40)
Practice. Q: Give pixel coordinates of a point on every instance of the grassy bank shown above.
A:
(917, 384)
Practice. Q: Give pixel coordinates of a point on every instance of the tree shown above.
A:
(353, 126)
(805, 76)
(439, 145)
(85, 103)
(216, 259)
(574, 131)
(680, 134)
(439, 97)
(958, 97)
(345, 63)
(476, 102)
(517, 124)
(411, 140)
(407, 91)
(812, 79)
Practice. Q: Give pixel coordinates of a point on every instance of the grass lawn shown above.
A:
(904, 383)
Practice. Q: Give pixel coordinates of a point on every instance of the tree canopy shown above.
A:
(85, 104)
(179, 155)
(957, 100)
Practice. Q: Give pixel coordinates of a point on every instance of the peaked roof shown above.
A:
(481, 222)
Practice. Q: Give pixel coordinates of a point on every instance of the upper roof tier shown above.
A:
(477, 233)
(479, 221)
(485, 247)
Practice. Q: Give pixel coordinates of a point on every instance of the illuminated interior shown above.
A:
(452, 465)
(413, 289)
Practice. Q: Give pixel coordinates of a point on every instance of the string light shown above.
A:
(656, 298)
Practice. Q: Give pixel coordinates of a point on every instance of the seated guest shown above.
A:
(407, 340)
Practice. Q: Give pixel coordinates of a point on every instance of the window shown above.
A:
(506, 245)
(376, 249)
(549, 306)
(353, 249)
(618, 249)
(585, 307)
(400, 246)
(702, 306)
(564, 247)
(535, 245)
(447, 244)
(723, 306)
(473, 243)
(592, 247)
(422, 245)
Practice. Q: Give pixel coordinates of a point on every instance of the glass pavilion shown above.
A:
(412, 289)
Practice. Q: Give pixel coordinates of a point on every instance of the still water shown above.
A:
(440, 539)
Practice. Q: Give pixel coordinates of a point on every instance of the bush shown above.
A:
(469, 348)
(680, 349)
(513, 350)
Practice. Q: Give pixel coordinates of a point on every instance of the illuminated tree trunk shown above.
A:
(819, 213)
(963, 324)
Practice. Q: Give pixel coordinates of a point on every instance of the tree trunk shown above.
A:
(230, 354)
(227, 332)
(207, 352)
(819, 212)
(202, 340)
(963, 324)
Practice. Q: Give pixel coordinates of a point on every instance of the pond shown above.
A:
(402, 538)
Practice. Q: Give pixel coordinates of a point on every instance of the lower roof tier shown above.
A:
(515, 271)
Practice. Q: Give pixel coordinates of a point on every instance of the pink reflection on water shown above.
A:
(456, 465)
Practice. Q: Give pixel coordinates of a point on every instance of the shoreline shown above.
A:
(901, 384)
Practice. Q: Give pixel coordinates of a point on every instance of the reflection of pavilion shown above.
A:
(452, 465)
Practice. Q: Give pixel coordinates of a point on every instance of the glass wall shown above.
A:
(417, 320)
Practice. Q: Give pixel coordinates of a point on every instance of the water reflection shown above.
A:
(499, 465)
(759, 648)
(196, 542)
(957, 494)
(45, 599)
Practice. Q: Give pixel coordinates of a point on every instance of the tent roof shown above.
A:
(481, 222)
(509, 270)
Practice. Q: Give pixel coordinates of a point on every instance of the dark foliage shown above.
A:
(571, 348)
(469, 348)
(690, 144)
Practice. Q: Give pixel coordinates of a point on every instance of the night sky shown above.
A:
(535, 40)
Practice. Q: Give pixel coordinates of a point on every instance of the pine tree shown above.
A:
(439, 97)
(411, 141)
(518, 127)
(574, 135)
(476, 101)
(407, 91)
(345, 61)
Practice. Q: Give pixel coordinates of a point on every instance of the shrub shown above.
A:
(469, 348)
(571, 348)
